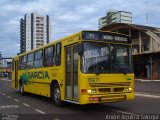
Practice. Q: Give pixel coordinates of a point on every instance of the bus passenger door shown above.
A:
(72, 73)
(16, 73)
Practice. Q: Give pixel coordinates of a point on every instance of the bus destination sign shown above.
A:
(104, 36)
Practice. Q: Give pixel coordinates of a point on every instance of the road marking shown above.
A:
(4, 94)
(119, 111)
(9, 96)
(16, 100)
(56, 119)
(25, 104)
(6, 80)
(39, 111)
(8, 106)
(147, 95)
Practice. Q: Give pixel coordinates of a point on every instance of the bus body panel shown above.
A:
(106, 86)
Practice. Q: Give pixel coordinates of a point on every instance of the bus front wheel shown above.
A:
(56, 95)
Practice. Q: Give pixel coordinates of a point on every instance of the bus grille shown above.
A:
(108, 90)
(115, 84)
(104, 90)
(118, 89)
(110, 87)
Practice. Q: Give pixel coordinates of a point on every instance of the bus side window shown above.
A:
(38, 59)
(48, 60)
(58, 54)
(30, 60)
(22, 62)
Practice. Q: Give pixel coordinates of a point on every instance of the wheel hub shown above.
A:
(57, 94)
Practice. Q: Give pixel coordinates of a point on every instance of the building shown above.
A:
(102, 21)
(22, 36)
(5, 67)
(35, 31)
(145, 47)
(115, 17)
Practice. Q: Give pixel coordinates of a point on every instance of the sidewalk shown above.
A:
(147, 88)
(151, 87)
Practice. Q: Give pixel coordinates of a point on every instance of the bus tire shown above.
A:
(56, 95)
(22, 88)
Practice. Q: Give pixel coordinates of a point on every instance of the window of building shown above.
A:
(146, 44)
(38, 59)
(49, 56)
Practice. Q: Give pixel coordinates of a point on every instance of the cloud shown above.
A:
(67, 16)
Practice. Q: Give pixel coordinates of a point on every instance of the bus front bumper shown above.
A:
(93, 99)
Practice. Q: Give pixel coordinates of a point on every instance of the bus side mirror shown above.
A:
(80, 49)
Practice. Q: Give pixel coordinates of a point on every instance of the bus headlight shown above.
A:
(129, 89)
(92, 91)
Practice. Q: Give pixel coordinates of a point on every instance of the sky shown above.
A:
(68, 16)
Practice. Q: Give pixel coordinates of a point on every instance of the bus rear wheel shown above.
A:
(56, 95)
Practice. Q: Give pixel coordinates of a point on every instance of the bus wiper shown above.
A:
(98, 69)
(124, 72)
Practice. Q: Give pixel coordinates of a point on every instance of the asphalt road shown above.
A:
(33, 107)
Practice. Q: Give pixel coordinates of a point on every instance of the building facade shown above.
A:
(115, 17)
(35, 31)
(22, 36)
(5, 67)
(145, 47)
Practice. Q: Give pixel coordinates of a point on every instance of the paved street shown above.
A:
(36, 107)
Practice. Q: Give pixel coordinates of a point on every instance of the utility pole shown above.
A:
(151, 63)
(0, 59)
(146, 12)
(0, 55)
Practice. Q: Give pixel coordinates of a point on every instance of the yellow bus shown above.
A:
(88, 67)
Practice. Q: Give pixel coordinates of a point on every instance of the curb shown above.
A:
(141, 80)
(150, 95)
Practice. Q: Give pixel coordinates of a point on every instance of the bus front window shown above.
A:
(106, 58)
(95, 58)
(121, 59)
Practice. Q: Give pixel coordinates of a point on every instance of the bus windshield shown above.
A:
(106, 58)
